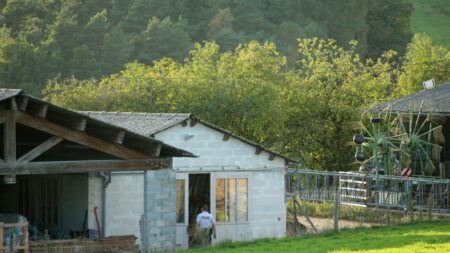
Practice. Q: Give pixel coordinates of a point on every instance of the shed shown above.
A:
(435, 100)
(55, 164)
(241, 181)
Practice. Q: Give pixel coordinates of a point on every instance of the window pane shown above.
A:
(220, 200)
(232, 201)
(180, 201)
(242, 212)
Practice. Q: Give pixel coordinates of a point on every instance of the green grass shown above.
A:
(429, 237)
(432, 17)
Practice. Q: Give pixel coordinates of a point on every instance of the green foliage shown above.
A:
(306, 113)
(162, 38)
(431, 17)
(388, 26)
(68, 31)
(423, 61)
(325, 97)
(426, 237)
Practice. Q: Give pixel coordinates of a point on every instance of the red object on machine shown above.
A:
(406, 172)
(100, 235)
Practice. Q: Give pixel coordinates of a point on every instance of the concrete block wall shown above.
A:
(212, 150)
(124, 201)
(160, 208)
(95, 193)
(268, 209)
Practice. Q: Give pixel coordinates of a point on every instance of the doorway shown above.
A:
(199, 194)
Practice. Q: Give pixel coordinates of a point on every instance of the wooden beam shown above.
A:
(9, 138)
(118, 136)
(271, 156)
(13, 104)
(80, 124)
(157, 150)
(184, 123)
(226, 136)
(64, 167)
(23, 102)
(39, 150)
(38, 109)
(193, 122)
(79, 137)
(258, 150)
(2, 116)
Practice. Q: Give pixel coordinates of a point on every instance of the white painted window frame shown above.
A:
(230, 175)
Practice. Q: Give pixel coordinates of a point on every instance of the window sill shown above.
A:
(232, 223)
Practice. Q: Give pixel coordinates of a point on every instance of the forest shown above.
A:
(293, 75)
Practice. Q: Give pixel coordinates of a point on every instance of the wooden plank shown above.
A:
(193, 122)
(9, 138)
(271, 157)
(40, 110)
(80, 124)
(118, 136)
(13, 104)
(84, 166)
(23, 102)
(2, 116)
(1, 237)
(39, 150)
(79, 137)
(157, 150)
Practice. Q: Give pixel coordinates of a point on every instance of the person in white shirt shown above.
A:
(205, 225)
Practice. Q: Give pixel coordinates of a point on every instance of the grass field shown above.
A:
(431, 237)
(432, 17)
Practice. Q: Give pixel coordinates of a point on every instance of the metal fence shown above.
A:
(415, 193)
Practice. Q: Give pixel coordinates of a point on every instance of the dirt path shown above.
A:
(323, 224)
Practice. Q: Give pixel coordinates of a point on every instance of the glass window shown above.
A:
(242, 195)
(232, 199)
(180, 201)
(220, 200)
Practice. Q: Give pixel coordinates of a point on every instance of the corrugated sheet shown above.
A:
(148, 124)
(141, 123)
(436, 99)
(7, 93)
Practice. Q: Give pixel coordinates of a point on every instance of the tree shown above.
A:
(162, 38)
(21, 65)
(326, 96)
(115, 51)
(389, 26)
(423, 61)
(95, 31)
(137, 17)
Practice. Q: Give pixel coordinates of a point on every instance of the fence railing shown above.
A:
(415, 193)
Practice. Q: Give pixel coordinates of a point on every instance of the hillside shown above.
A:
(432, 17)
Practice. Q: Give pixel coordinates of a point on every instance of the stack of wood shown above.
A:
(14, 237)
(107, 244)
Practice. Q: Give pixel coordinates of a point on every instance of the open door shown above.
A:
(182, 210)
(199, 194)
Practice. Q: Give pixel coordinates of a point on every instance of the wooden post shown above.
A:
(9, 138)
(1, 237)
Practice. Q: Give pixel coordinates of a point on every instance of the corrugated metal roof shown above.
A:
(436, 99)
(7, 93)
(151, 123)
(145, 124)
(135, 140)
